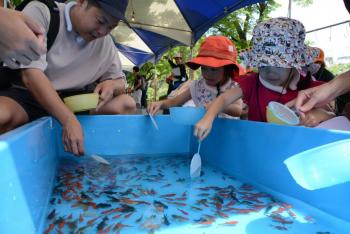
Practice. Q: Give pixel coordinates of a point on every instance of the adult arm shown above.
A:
(323, 94)
(172, 64)
(21, 38)
(43, 91)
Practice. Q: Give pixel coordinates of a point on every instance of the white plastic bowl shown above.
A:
(281, 114)
(322, 166)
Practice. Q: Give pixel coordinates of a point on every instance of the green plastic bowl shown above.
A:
(82, 102)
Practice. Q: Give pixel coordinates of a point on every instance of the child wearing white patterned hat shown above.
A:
(279, 53)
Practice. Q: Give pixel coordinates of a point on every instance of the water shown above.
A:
(156, 195)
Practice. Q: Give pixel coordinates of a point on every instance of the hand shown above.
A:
(154, 107)
(314, 117)
(119, 87)
(314, 97)
(105, 89)
(202, 128)
(72, 136)
(22, 39)
(129, 90)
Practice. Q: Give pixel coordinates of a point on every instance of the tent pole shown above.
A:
(191, 75)
(289, 9)
(155, 81)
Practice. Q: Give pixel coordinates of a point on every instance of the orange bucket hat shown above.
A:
(215, 51)
(320, 57)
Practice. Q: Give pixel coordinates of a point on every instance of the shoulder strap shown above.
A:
(54, 21)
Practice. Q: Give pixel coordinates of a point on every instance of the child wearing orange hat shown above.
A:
(318, 68)
(217, 60)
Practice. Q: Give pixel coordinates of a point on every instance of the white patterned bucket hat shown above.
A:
(279, 42)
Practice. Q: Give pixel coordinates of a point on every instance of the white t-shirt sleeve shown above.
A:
(115, 70)
(41, 14)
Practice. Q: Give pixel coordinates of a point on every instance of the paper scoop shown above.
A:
(196, 163)
(100, 159)
(154, 122)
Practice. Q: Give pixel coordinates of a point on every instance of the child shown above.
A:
(82, 54)
(279, 53)
(138, 86)
(217, 59)
(179, 75)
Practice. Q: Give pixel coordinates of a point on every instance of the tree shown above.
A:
(239, 24)
(304, 2)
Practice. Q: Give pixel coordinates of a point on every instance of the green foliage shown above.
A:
(338, 69)
(239, 24)
(162, 70)
(14, 3)
(303, 2)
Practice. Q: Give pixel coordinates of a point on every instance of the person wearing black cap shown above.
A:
(82, 54)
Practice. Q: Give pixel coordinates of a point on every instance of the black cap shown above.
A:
(347, 5)
(115, 8)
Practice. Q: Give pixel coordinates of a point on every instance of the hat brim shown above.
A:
(195, 63)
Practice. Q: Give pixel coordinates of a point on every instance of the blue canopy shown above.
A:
(157, 25)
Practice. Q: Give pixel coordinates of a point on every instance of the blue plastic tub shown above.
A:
(250, 151)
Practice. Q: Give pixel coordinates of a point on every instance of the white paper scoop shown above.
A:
(154, 122)
(196, 163)
(99, 159)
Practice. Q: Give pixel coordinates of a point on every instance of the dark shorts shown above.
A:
(33, 109)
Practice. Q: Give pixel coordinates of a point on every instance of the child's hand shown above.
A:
(314, 117)
(202, 128)
(154, 107)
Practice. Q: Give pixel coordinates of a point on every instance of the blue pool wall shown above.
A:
(256, 152)
(28, 159)
(29, 156)
(124, 135)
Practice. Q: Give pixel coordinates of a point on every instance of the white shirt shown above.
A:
(71, 63)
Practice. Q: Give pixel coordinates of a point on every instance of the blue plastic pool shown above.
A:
(244, 188)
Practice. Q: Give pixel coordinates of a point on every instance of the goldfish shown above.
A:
(50, 228)
(179, 218)
(183, 212)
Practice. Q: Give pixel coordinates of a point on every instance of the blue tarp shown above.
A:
(199, 15)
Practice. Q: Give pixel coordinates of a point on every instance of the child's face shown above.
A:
(93, 22)
(212, 75)
(277, 76)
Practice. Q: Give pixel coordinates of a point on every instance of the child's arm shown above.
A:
(165, 104)
(234, 109)
(203, 127)
(315, 116)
